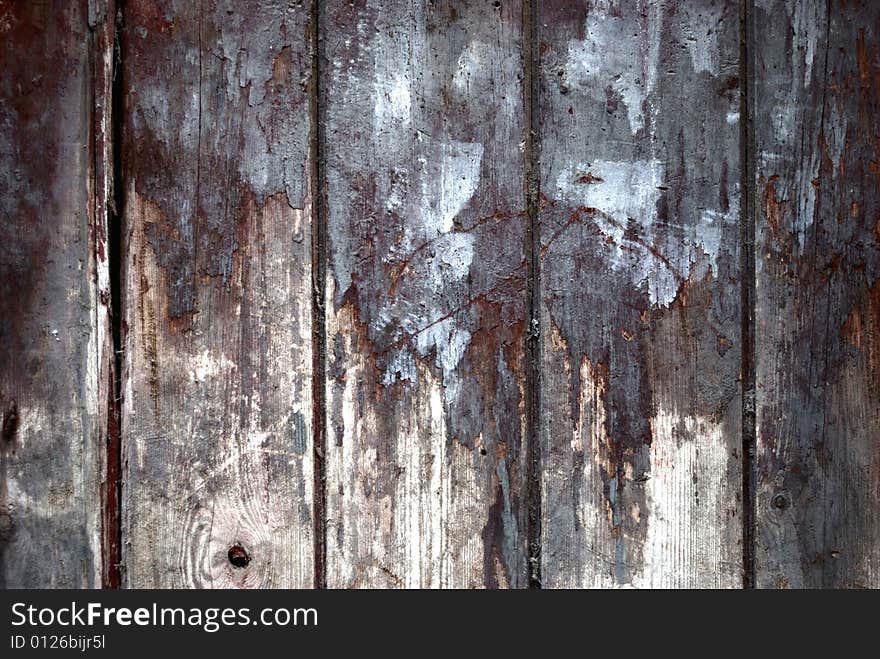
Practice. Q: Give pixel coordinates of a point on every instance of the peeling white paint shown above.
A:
(401, 367)
(449, 340)
(450, 176)
(627, 197)
(610, 45)
(208, 366)
(454, 255)
(446, 177)
(627, 193)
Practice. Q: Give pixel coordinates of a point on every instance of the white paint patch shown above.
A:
(629, 189)
(733, 118)
(401, 367)
(627, 197)
(207, 366)
(708, 234)
(445, 178)
(449, 341)
(392, 101)
(627, 194)
(450, 176)
(611, 55)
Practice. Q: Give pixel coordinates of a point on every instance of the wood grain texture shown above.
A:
(640, 294)
(55, 347)
(422, 104)
(817, 157)
(217, 417)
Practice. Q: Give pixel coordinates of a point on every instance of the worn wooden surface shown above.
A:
(509, 344)
(55, 350)
(424, 125)
(817, 158)
(217, 416)
(639, 292)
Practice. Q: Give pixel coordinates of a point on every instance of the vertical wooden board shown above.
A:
(640, 295)
(422, 104)
(217, 416)
(55, 351)
(817, 153)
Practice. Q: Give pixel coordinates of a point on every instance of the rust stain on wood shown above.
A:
(217, 422)
(639, 280)
(817, 405)
(426, 303)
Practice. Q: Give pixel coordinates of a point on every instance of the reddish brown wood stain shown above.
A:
(217, 441)
(639, 304)
(818, 410)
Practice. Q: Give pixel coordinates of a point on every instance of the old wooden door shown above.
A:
(320, 293)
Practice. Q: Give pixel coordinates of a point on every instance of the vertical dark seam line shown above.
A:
(319, 324)
(113, 514)
(195, 220)
(533, 346)
(747, 265)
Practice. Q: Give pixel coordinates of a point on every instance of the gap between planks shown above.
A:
(532, 186)
(319, 319)
(112, 539)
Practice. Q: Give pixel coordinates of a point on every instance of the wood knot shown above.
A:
(10, 421)
(779, 501)
(238, 556)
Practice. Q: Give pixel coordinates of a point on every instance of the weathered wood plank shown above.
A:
(55, 347)
(217, 416)
(423, 111)
(640, 297)
(817, 142)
